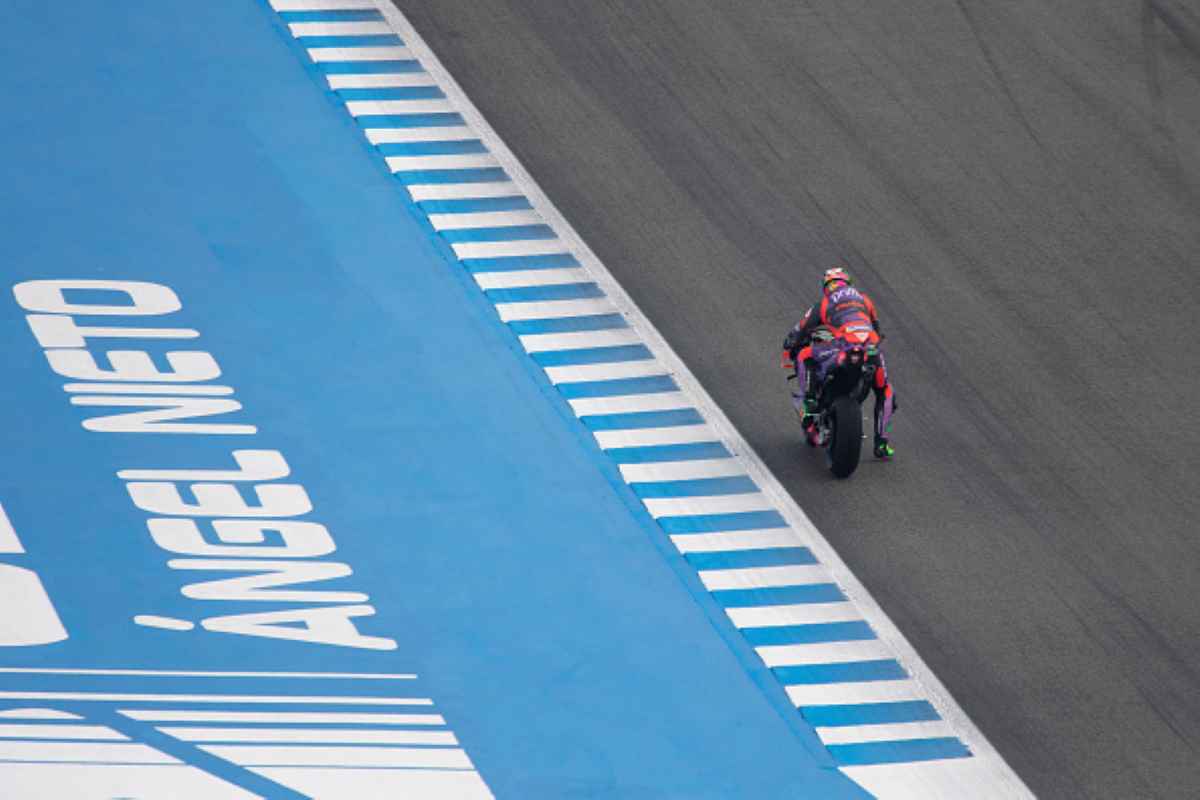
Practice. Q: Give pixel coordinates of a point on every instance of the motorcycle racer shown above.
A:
(808, 347)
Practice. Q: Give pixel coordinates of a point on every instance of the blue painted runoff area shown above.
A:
(572, 652)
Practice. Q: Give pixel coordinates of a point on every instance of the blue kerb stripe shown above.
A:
(465, 147)
(850, 672)
(330, 16)
(778, 595)
(700, 487)
(593, 355)
(541, 294)
(368, 67)
(448, 119)
(714, 523)
(474, 205)
(616, 388)
(840, 716)
(745, 559)
(642, 419)
(594, 322)
(373, 40)
(855, 755)
(510, 233)
(392, 93)
(484, 175)
(656, 454)
(809, 634)
(510, 263)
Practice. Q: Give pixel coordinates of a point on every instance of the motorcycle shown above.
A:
(847, 362)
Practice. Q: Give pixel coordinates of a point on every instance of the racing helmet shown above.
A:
(835, 277)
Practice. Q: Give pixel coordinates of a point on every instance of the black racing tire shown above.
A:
(845, 439)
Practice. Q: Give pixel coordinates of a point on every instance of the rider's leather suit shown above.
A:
(837, 309)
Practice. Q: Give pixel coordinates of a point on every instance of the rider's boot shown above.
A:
(883, 448)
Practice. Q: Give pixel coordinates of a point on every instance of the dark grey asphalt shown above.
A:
(1018, 184)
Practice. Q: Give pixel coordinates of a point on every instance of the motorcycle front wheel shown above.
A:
(845, 441)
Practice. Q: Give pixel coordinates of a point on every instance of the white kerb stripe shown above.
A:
(797, 614)
(462, 161)
(941, 779)
(487, 219)
(617, 370)
(378, 27)
(365, 108)
(730, 540)
(326, 54)
(311, 735)
(323, 5)
(647, 437)
(716, 504)
(384, 81)
(763, 577)
(818, 694)
(455, 191)
(309, 756)
(686, 471)
(553, 309)
(789, 655)
(630, 403)
(442, 133)
(517, 278)
(523, 247)
(547, 342)
(892, 732)
(293, 717)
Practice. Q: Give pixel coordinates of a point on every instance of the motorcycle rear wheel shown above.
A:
(845, 440)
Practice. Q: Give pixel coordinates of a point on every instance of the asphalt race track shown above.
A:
(1018, 186)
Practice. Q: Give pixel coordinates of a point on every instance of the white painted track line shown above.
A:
(326, 54)
(310, 735)
(645, 437)
(289, 717)
(550, 342)
(59, 732)
(464, 161)
(717, 504)
(36, 713)
(631, 403)
(852, 734)
(365, 108)
(323, 5)
(86, 752)
(523, 247)
(104, 697)
(551, 309)
(730, 540)
(617, 370)
(818, 694)
(797, 614)
(790, 655)
(385, 81)
(763, 577)
(530, 277)
(454, 191)
(310, 756)
(378, 28)
(9, 541)
(488, 219)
